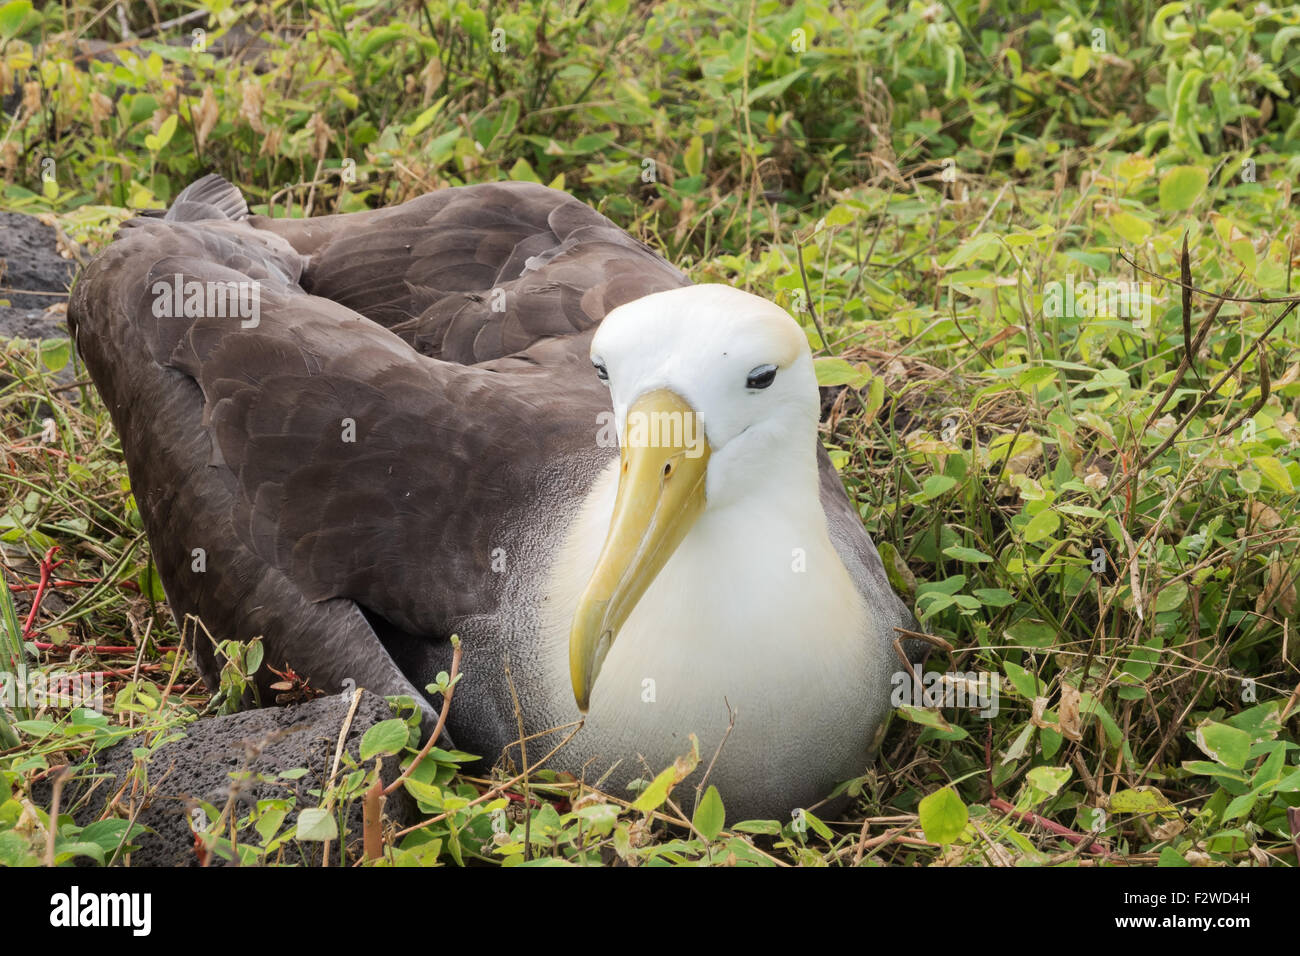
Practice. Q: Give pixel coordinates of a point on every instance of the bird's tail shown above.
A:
(212, 197)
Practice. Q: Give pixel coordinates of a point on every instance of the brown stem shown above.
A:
(372, 818)
(1177, 430)
(442, 722)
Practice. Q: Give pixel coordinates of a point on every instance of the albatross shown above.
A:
(489, 412)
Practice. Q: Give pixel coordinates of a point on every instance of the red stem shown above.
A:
(19, 588)
(59, 452)
(98, 648)
(48, 564)
(1064, 832)
(128, 672)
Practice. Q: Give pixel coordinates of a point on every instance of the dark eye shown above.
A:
(602, 373)
(761, 377)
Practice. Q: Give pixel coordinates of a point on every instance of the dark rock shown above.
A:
(262, 742)
(30, 324)
(29, 260)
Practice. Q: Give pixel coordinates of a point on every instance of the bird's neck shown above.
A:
(754, 592)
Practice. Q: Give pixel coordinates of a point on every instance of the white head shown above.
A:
(740, 362)
(716, 405)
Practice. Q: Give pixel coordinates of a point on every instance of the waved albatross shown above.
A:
(490, 412)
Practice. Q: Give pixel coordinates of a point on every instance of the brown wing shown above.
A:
(317, 455)
(480, 272)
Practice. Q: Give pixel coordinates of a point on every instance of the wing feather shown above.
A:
(355, 466)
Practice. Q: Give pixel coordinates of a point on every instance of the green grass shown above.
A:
(910, 185)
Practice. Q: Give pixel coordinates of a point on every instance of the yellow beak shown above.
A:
(660, 495)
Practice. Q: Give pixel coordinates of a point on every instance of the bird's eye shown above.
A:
(761, 377)
(602, 373)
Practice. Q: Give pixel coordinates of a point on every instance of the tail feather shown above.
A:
(211, 197)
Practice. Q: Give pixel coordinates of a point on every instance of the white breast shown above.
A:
(754, 610)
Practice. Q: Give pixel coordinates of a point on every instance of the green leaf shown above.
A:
(817, 826)
(1025, 683)
(254, 653)
(960, 553)
(875, 398)
(1226, 21)
(1090, 706)
(1130, 228)
(1240, 806)
(1035, 376)
(269, 822)
(900, 576)
(1095, 261)
(1047, 781)
(949, 585)
(994, 597)
(67, 850)
(426, 794)
(693, 159)
(348, 98)
(761, 827)
(474, 22)
(775, 87)
(928, 605)
(1031, 633)
(13, 16)
(1274, 471)
(108, 833)
(1141, 800)
(840, 215)
(55, 353)
(150, 584)
(1208, 769)
(1172, 597)
(522, 172)
(836, 371)
(317, 824)
(36, 728)
(1244, 253)
(926, 718)
(377, 39)
(1019, 745)
(1042, 525)
(1281, 41)
(1171, 857)
(1080, 62)
(15, 851)
(983, 246)
(8, 737)
(1288, 784)
(653, 796)
(1228, 745)
(937, 485)
(156, 141)
(421, 122)
(709, 815)
(1181, 186)
(386, 737)
(943, 816)
(603, 817)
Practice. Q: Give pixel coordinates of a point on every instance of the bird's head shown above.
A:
(715, 400)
